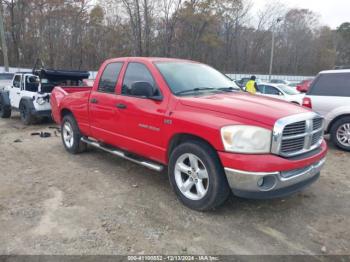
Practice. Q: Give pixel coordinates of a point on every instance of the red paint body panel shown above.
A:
(146, 126)
(268, 163)
(304, 85)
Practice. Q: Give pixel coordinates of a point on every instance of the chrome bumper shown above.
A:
(272, 184)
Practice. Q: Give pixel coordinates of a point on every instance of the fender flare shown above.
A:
(6, 98)
(29, 102)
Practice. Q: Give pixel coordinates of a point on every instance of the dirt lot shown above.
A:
(54, 203)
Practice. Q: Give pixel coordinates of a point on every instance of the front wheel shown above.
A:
(26, 115)
(340, 133)
(197, 176)
(71, 136)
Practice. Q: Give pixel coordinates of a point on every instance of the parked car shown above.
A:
(279, 81)
(329, 95)
(30, 93)
(188, 118)
(303, 87)
(281, 91)
(5, 80)
(294, 84)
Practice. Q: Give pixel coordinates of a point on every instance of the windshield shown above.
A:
(288, 90)
(6, 76)
(186, 78)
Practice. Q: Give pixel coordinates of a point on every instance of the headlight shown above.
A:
(40, 100)
(246, 139)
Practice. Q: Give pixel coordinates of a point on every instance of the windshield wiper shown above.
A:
(228, 89)
(197, 89)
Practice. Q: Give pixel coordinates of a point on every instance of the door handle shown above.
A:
(18, 93)
(121, 106)
(93, 101)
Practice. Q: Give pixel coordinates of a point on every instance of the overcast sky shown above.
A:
(331, 12)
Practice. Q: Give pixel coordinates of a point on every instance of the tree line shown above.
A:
(227, 34)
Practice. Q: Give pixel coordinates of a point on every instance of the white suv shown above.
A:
(329, 95)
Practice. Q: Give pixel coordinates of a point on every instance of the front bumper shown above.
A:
(262, 185)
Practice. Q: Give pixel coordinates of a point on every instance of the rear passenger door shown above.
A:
(104, 116)
(329, 92)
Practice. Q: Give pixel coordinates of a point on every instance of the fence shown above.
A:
(266, 77)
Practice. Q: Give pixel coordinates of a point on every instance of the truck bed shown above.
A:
(78, 94)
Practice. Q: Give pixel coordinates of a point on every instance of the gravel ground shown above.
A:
(52, 202)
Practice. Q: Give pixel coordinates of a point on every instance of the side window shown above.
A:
(109, 78)
(336, 84)
(261, 89)
(137, 72)
(17, 81)
(270, 90)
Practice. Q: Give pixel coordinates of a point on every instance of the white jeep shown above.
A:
(30, 93)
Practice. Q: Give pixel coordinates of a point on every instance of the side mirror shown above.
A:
(144, 89)
(280, 93)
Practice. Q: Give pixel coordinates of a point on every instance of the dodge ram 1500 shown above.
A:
(190, 118)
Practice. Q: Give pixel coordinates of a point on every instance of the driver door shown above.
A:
(143, 118)
(15, 91)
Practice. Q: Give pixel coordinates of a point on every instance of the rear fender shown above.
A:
(6, 98)
(334, 115)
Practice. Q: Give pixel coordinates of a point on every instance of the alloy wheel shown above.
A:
(191, 176)
(343, 134)
(68, 136)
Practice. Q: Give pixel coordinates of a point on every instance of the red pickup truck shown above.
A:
(190, 118)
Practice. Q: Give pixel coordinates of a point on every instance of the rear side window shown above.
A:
(109, 78)
(336, 84)
(270, 90)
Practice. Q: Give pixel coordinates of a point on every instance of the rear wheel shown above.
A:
(197, 176)
(25, 112)
(5, 110)
(340, 133)
(71, 136)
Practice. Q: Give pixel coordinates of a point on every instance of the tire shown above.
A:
(340, 133)
(71, 136)
(27, 117)
(5, 110)
(211, 177)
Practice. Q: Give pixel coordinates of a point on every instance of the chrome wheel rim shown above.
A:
(67, 133)
(343, 134)
(191, 177)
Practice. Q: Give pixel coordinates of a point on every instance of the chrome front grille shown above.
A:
(317, 123)
(295, 128)
(296, 135)
(316, 137)
(292, 145)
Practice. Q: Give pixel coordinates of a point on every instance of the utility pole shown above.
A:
(3, 40)
(273, 46)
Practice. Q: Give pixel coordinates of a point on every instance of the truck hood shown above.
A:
(245, 106)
